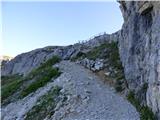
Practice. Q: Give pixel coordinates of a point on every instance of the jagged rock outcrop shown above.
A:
(139, 46)
(94, 65)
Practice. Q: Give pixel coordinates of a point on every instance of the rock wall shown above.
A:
(139, 47)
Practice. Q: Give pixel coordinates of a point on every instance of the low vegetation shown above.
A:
(8, 79)
(41, 76)
(145, 112)
(44, 77)
(110, 53)
(23, 86)
(41, 69)
(10, 84)
(45, 105)
(119, 86)
(107, 51)
(80, 55)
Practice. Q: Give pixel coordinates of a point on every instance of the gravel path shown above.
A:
(90, 98)
(87, 98)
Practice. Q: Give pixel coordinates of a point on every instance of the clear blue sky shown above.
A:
(31, 25)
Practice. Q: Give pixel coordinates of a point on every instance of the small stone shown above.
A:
(90, 78)
(107, 73)
(72, 110)
(87, 83)
(87, 91)
(62, 90)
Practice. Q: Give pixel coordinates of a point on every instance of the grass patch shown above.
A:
(144, 87)
(80, 55)
(97, 52)
(10, 87)
(120, 81)
(45, 105)
(10, 78)
(41, 76)
(107, 51)
(41, 69)
(118, 86)
(113, 55)
(145, 112)
(16, 86)
(110, 53)
(41, 81)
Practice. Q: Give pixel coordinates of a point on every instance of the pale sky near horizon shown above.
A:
(30, 25)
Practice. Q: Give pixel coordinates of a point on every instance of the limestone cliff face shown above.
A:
(139, 46)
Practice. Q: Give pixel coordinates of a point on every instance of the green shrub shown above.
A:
(106, 51)
(110, 53)
(93, 55)
(120, 75)
(133, 100)
(97, 52)
(113, 55)
(45, 106)
(41, 75)
(44, 77)
(23, 86)
(78, 56)
(119, 86)
(10, 88)
(51, 61)
(36, 72)
(9, 78)
(145, 112)
(144, 87)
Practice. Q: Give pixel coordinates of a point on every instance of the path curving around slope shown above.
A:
(88, 98)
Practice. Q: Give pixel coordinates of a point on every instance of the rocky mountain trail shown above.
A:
(87, 97)
(91, 98)
(130, 57)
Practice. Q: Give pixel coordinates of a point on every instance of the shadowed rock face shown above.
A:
(139, 46)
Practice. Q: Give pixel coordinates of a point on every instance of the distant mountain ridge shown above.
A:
(6, 57)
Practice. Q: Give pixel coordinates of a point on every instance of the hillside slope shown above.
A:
(87, 97)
